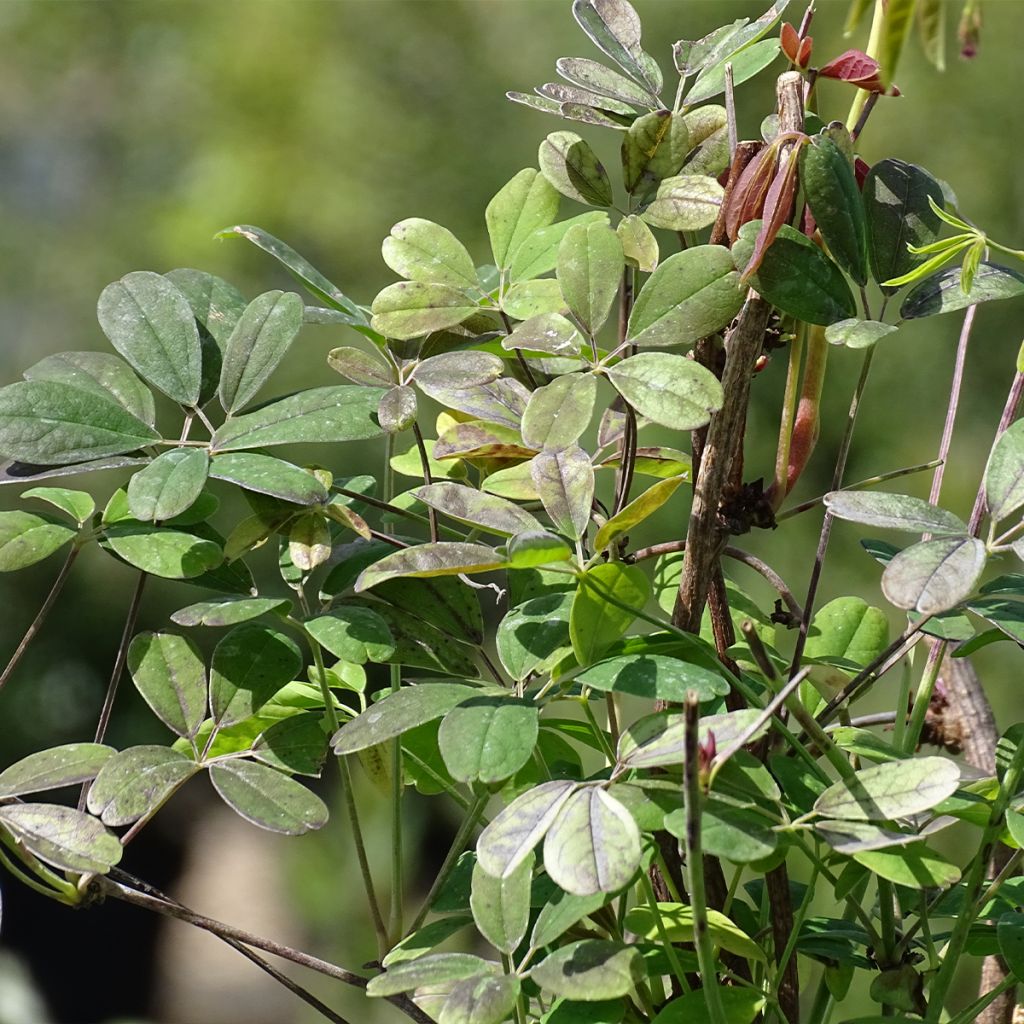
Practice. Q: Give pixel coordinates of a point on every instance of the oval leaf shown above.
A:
(353, 633)
(136, 782)
(62, 836)
(653, 677)
(668, 389)
(169, 485)
(1004, 474)
(488, 739)
(442, 558)
(595, 622)
(589, 271)
(501, 906)
(161, 552)
(169, 673)
(484, 511)
(411, 309)
(65, 765)
(590, 970)
(935, 575)
(421, 250)
(559, 412)
(893, 512)
(228, 611)
(264, 474)
(26, 539)
(898, 789)
(526, 204)
(267, 798)
(564, 481)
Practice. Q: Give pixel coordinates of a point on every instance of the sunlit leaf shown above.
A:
(353, 633)
(572, 167)
(410, 309)
(590, 265)
(849, 837)
(501, 906)
(136, 782)
(564, 480)
(893, 512)
(527, 299)
(26, 538)
(595, 622)
(267, 798)
(637, 511)
(896, 790)
(500, 402)
(263, 474)
(654, 148)
(163, 552)
(668, 389)
(936, 575)
(421, 250)
(59, 766)
(741, 1005)
(944, 292)
(854, 333)
(538, 252)
(590, 970)
(614, 28)
(169, 485)
(487, 1000)
(441, 558)
(62, 836)
(639, 246)
(559, 412)
(80, 505)
(653, 677)
(521, 207)
(688, 202)
(488, 739)
(362, 367)
(228, 611)
(470, 506)
(534, 635)
(915, 866)
(432, 969)
(677, 921)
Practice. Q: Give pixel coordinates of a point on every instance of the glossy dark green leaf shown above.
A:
(169, 673)
(169, 485)
(215, 303)
(653, 148)
(735, 833)
(614, 28)
(64, 765)
(322, 415)
(935, 575)
(835, 201)
(487, 1000)
(534, 635)
(410, 309)
(441, 558)
(559, 412)
(353, 633)
(898, 214)
(854, 333)
(420, 250)
(297, 744)
(152, 325)
(62, 836)
(259, 342)
(944, 293)
(228, 611)
(595, 623)
(99, 373)
(692, 294)
(267, 798)
(521, 207)
(589, 269)
(432, 969)
(163, 552)
(473, 508)
(895, 790)
(796, 276)
(653, 677)
(136, 782)
(249, 666)
(741, 1006)
(538, 252)
(893, 512)
(668, 389)
(26, 538)
(52, 423)
(501, 906)
(513, 833)
(572, 167)
(564, 481)
(398, 713)
(1004, 474)
(488, 739)
(590, 970)
(688, 202)
(264, 474)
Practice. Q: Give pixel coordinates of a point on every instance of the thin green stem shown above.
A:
(788, 418)
(397, 868)
(666, 943)
(922, 699)
(66, 897)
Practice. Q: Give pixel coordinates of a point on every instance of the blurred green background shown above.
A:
(130, 132)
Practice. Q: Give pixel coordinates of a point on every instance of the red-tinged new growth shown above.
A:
(857, 68)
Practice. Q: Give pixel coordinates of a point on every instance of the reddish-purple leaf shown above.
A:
(857, 68)
(778, 207)
(790, 41)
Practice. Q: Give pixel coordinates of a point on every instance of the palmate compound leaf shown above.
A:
(440, 558)
(473, 508)
(51, 423)
(691, 295)
(61, 836)
(1004, 474)
(488, 739)
(558, 413)
(898, 789)
(267, 798)
(593, 844)
(151, 324)
(589, 271)
(564, 482)
(169, 673)
(501, 906)
(169, 485)
(935, 575)
(590, 970)
(595, 622)
(26, 538)
(524, 205)
(514, 832)
(65, 765)
(668, 389)
(136, 782)
(893, 512)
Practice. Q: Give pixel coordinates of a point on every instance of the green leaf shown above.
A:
(162, 552)
(538, 253)
(564, 481)
(513, 482)
(398, 713)
(589, 270)
(898, 214)
(487, 1000)
(299, 267)
(513, 833)
(943, 293)
(637, 511)
(536, 547)
(796, 276)
(501, 906)
(410, 309)
(893, 512)
(915, 866)
(548, 333)
(1004, 474)
(898, 789)
(169, 673)
(267, 798)
(677, 921)
(614, 28)
(746, 63)
(524, 205)
(668, 389)
(228, 611)
(99, 373)
(1006, 615)
(424, 939)
(499, 402)
(735, 833)
(62, 836)
(639, 246)
(259, 342)
(151, 324)
(264, 474)
(595, 623)
(322, 415)
(653, 677)
(52, 423)
(834, 198)
(590, 970)
(935, 575)
(692, 294)
(441, 558)
(420, 250)
(353, 633)
(570, 1011)
(559, 412)
(488, 739)
(854, 333)
(849, 837)
(136, 782)
(596, 78)
(26, 538)
(445, 603)
(297, 744)
(77, 504)
(362, 367)
(572, 167)
(397, 409)
(534, 635)
(1010, 931)
(527, 299)
(249, 666)
(432, 969)
(653, 148)
(65, 765)
(483, 511)
(688, 202)
(593, 845)
(741, 1005)
(169, 485)
(848, 629)
(422, 645)
(657, 740)
(215, 303)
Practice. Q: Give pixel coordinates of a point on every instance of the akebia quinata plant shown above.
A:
(669, 809)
